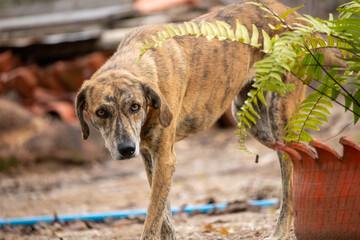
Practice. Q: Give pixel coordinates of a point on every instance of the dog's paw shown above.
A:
(168, 237)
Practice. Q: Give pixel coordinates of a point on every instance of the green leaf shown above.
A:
(294, 128)
(238, 32)
(323, 109)
(309, 78)
(319, 99)
(156, 40)
(330, 41)
(203, 29)
(334, 94)
(246, 122)
(306, 125)
(250, 117)
(319, 115)
(143, 48)
(276, 76)
(161, 36)
(272, 27)
(291, 137)
(170, 30)
(314, 121)
(278, 27)
(295, 123)
(196, 29)
(176, 31)
(261, 97)
(321, 42)
(340, 45)
(309, 121)
(182, 30)
(298, 116)
(287, 12)
(267, 41)
(166, 34)
(252, 110)
(306, 137)
(306, 60)
(231, 34)
(215, 29)
(210, 33)
(354, 84)
(222, 30)
(245, 34)
(255, 36)
(147, 44)
(189, 29)
(356, 106)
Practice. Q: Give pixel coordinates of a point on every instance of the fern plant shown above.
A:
(297, 51)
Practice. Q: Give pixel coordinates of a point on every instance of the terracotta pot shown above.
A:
(326, 192)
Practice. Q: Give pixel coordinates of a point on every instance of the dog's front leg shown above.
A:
(164, 167)
(167, 228)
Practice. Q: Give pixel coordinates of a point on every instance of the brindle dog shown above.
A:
(178, 90)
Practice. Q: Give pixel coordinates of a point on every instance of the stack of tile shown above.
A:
(50, 89)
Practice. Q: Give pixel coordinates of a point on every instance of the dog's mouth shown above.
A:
(124, 158)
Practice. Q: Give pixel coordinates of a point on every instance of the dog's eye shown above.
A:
(135, 108)
(101, 113)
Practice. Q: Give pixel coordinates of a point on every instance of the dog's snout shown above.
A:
(127, 149)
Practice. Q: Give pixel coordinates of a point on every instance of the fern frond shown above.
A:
(220, 31)
(311, 115)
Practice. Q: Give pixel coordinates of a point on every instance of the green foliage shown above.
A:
(221, 31)
(296, 51)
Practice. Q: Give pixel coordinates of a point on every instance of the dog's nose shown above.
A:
(127, 149)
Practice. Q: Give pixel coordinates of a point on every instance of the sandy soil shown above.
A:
(210, 168)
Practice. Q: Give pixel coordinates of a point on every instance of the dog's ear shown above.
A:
(80, 106)
(158, 101)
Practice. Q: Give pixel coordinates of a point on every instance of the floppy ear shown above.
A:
(158, 102)
(80, 106)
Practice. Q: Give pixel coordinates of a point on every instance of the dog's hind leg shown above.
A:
(281, 108)
(279, 115)
(268, 129)
(262, 131)
(167, 228)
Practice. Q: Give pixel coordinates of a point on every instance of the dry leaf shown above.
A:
(228, 230)
(209, 228)
(224, 231)
(273, 211)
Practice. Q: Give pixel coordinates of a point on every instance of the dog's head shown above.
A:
(118, 108)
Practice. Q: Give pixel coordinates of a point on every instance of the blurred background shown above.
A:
(47, 49)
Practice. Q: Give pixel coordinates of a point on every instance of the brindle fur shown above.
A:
(183, 87)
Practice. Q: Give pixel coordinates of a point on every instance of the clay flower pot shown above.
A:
(326, 193)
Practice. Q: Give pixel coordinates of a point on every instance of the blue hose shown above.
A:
(100, 216)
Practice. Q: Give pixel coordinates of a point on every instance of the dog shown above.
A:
(178, 90)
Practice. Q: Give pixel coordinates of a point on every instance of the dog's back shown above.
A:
(210, 73)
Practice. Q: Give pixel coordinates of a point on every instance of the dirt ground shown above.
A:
(210, 168)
